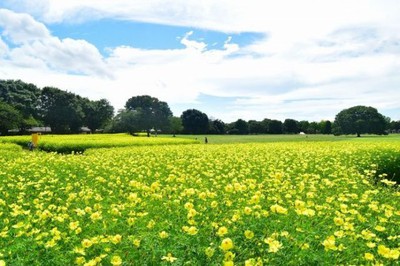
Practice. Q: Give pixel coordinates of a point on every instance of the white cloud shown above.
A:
(317, 57)
(35, 47)
(3, 48)
(21, 28)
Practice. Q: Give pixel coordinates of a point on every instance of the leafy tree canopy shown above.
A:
(152, 113)
(194, 121)
(10, 118)
(360, 120)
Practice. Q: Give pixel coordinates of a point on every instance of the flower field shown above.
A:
(306, 203)
(79, 143)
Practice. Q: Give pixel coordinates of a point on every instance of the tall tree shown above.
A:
(275, 127)
(241, 126)
(360, 120)
(176, 125)
(61, 110)
(194, 121)
(125, 121)
(326, 127)
(217, 127)
(290, 126)
(24, 97)
(97, 113)
(256, 127)
(10, 118)
(303, 126)
(152, 113)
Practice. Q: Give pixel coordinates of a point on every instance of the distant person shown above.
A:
(30, 145)
(205, 140)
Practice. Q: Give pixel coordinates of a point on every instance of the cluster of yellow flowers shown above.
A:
(253, 204)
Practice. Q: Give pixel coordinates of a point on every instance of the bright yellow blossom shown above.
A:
(368, 256)
(116, 260)
(226, 244)
(248, 234)
(169, 258)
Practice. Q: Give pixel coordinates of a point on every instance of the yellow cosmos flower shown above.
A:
(163, 234)
(226, 244)
(80, 260)
(136, 242)
(222, 231)
(95, 216)
(209, 252)
(388, 253)
(248, 234)
(116, 239)
(86, 243)
(274, 246)
(229, 256)
(380, 228)
(368, 256)
(247, 210)
(116, 260)
(305, 246)
(169, 258)
(228, 263)
(278, 209)
(338, 221)
(73, 225)
(192, 230)
(329, 243)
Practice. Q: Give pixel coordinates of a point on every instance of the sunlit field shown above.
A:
(79, 143)
(278, 203)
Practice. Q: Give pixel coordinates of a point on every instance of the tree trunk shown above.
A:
(358, 135)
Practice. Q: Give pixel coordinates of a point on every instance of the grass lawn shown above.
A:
(222, 139)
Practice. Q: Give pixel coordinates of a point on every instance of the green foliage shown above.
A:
(97, 114)
(10, 118)
(290, 126)
(61, 110)
(240, 127)
(151, 113)
(194, 122)
(360, 120)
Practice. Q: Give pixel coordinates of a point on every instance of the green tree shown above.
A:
(152, 113)
(313, 128)
(217, 127)
(97, 113)
(175, 125)
(360, 120)
(61, 110)
(125, 121)
(303, 126)
(326, 127)
(10, 118)
(194, 122)
(24, 97)
(290, 126)
(256, 127)
(241, 126)
(274, 127)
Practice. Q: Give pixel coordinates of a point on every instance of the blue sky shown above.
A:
(231, 59)
(108, 33)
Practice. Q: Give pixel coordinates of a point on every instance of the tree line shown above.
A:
(23, 106)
